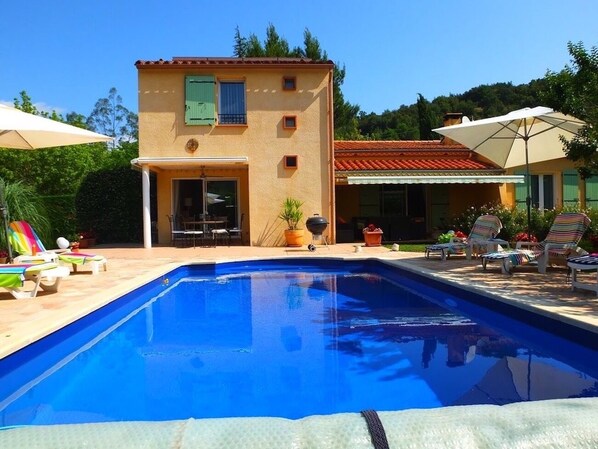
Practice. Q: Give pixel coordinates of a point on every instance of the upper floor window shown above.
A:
(289, 83)
(232, 110)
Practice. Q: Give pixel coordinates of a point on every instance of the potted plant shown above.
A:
(291, 213)
(3, 255)
(74, 242)
(87, 239)
(372, 235)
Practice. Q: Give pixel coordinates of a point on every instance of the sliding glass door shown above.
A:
(215, 197)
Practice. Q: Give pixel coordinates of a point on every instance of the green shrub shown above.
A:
(24, 203)
(63, 219)
(109, 203)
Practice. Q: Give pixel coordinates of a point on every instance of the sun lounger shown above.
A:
(31, 249)
(46, 275)
(482, 235)
(560, 243)
(95, 261)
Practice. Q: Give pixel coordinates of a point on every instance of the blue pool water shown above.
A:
(289, 339)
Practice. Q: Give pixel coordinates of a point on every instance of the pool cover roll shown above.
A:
(562, 423)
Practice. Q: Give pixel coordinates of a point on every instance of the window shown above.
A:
(291, 161)
(289, 83)
(541, 189)
(232, 110)
(289, 122)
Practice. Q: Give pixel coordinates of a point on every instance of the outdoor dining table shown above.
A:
(205, 226)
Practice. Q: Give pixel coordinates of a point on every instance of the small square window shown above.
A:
(289, 122)
(289, 83)
(291, 161)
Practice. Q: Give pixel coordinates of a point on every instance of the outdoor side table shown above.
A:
(583, 263)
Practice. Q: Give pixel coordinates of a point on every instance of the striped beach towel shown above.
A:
(565, 233)
(13, 275)
(24, 239)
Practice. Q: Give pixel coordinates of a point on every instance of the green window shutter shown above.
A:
(570, 188)
(200, 100)
(592, 192)
(521, 191)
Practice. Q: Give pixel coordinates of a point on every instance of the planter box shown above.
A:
(373, 238)
(86, 243)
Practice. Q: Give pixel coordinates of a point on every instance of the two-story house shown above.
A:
(234, 137)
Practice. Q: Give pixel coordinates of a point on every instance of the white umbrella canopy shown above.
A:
(504, 139)
(25, 131)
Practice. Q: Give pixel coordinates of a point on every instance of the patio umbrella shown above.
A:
(26, 131)
(21, 130)
(504, 139)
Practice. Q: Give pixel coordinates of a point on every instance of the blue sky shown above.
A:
(67, 54)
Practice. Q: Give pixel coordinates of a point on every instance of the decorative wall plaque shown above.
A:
(191, 145)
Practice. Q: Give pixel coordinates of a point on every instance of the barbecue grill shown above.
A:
(316, 225)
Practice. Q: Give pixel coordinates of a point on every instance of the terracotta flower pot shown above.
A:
(373, 238)
(87, 243)
(294, 237)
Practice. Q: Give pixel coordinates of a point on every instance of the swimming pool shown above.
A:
(291, 338)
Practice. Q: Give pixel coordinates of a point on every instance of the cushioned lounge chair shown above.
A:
(561, 242)
(46, 275)
(25, 241)
(482, 235)
(94, 261)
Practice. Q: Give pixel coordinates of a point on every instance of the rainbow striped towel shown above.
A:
(79, 258)
(13, 275)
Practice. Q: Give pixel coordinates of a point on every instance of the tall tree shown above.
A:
(345, 114)
(111, 118)
(425, 118)
(574, 91)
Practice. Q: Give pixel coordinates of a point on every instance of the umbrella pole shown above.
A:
(528, 200)
(4, 212)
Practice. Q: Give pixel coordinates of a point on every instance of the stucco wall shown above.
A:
(264, 182)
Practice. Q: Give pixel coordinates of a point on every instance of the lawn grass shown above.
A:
(411, 247)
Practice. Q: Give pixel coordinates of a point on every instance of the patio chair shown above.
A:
(46, 275)
(25, 241)
(182, 233)
(237, 231)
(560, 243)
(482, 235)
(220, 230)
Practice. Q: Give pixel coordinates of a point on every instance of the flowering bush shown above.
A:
(371, 228)
(3, 254)
(523, 237)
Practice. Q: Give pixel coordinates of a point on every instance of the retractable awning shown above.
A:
(436, 179)
(188, 162)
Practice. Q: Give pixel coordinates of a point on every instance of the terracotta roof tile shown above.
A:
(377, 145)
(178, 62)
(432, 155)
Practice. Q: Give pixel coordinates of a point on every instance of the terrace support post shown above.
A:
(147, 220)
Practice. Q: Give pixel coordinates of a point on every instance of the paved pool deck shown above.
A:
(26, 320)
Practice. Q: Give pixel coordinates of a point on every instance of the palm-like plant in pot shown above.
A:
(291, 213)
